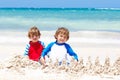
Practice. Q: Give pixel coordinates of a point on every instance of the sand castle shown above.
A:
(19, 63)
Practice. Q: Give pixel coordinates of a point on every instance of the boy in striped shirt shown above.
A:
(35, 47)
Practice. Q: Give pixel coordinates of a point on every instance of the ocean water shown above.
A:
(94, 25)
(75, 19)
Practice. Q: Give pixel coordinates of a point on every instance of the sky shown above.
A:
(60, 3)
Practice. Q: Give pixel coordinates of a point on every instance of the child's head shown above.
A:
(34, 34)
(62, 34)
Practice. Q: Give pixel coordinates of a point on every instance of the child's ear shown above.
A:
(29, 37)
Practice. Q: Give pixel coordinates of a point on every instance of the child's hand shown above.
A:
(42, 60)
(26, 57)
(76, 63)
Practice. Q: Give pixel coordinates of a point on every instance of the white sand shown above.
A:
(14, 65)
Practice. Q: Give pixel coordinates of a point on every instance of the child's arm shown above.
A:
(26, 49)
(71, 52)
(47, 49)
(45, 52)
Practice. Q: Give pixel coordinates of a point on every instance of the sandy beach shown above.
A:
(99, 57)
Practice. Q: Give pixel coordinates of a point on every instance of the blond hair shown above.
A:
(62, 30)
(33, 31)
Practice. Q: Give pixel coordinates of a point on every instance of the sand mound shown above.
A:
(20, 64)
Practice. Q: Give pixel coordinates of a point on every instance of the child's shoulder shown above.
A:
(28, 44)
(67, 44)
(51, 43)
(42, 43)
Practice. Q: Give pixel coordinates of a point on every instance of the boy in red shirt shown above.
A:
(35, 47)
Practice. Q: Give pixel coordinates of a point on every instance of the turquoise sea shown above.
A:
(75, 19)
(93, 25)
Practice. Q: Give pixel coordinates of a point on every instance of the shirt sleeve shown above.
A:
(26, 49)
(47, 49)
(71, 52)
(42, 43)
